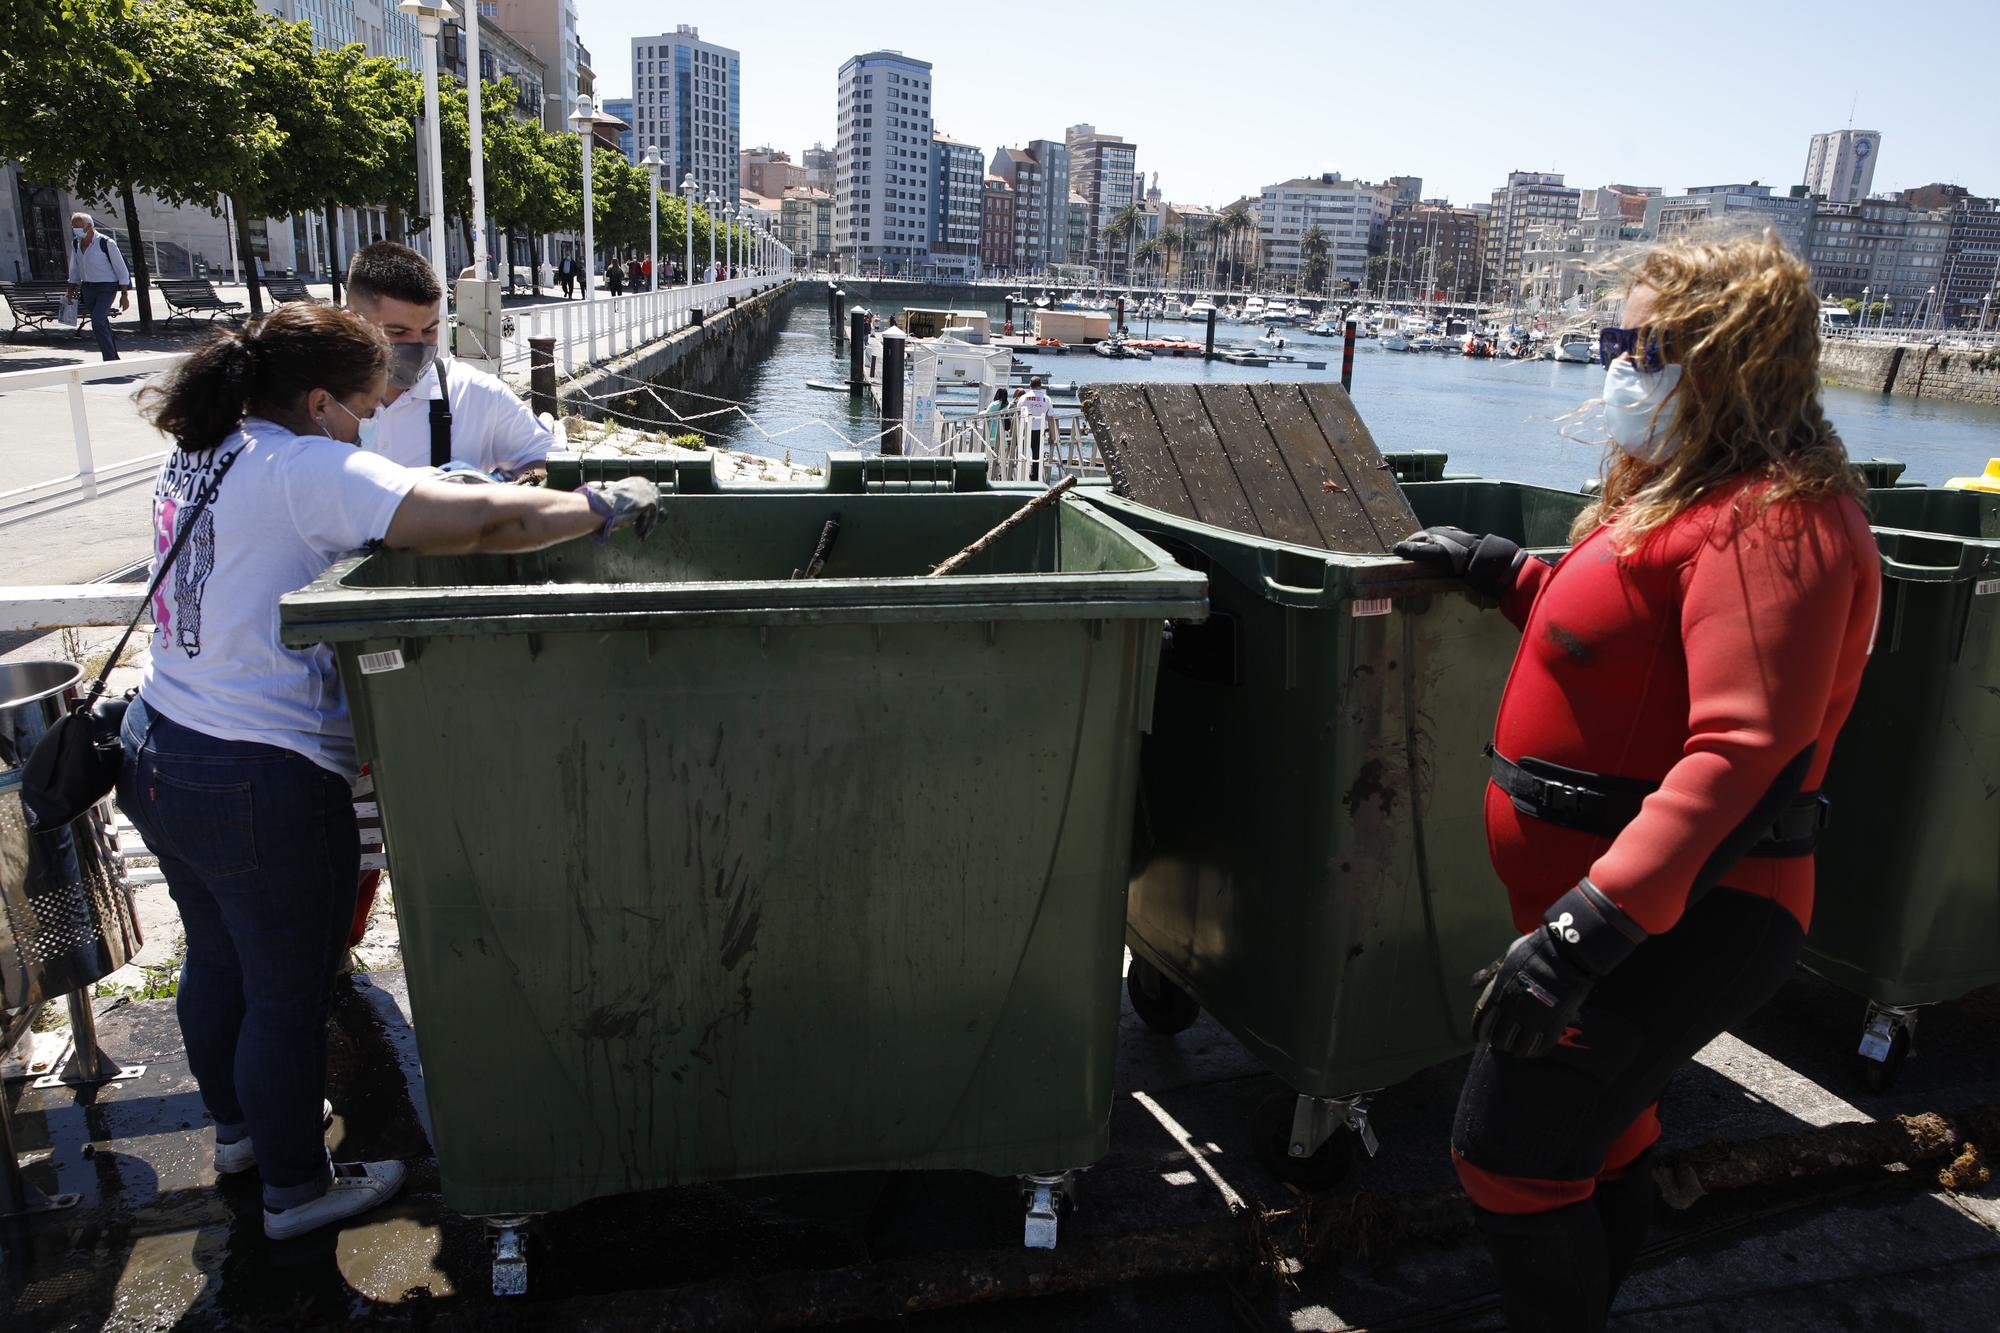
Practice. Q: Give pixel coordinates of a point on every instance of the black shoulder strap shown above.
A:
(441, 420)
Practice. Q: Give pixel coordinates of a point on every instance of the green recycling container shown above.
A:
(704, 871)
(1970, 514)
(1310, 858)
(1906, 908)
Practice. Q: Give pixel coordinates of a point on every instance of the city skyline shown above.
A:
(1732, 115)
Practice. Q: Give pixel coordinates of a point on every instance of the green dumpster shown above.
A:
(704, 871)
(1906, 910)
(1330, 899)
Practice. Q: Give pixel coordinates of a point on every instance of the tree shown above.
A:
(1173, 243)
(1313, 250)
(1148, 253)
(149, 98)
(1124, 223)
(1236, 222)
(353, 142)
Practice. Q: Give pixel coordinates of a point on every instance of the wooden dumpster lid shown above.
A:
(1291, 462)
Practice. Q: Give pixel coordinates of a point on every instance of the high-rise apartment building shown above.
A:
(620, 108)
(996, 225)
(882, 170)
(1529, 201)
(1432, 245)
(687, 99)
(958, 175)
(1971, 291)
(1349, 214)
(1053, 159)
(1840, 164)
(1883, 247)
(547, 28)
(1028, 246)
(1103, 169)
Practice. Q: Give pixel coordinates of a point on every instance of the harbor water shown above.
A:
(1513, 419)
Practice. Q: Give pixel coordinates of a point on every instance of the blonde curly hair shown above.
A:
(1740, 317)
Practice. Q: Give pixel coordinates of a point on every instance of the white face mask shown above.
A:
(1633, 412)
(79, 232)
(365, 427)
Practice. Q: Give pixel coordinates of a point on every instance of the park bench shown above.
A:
(289, 289)
(34, 305)
(188, 297)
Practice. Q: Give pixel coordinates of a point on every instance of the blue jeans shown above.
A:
(259, 849)
(94, 299)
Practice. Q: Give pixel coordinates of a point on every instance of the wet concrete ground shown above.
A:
(158, 1243)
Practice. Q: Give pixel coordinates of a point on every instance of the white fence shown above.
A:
(586, 332)
(89, 479)
(1066, 447)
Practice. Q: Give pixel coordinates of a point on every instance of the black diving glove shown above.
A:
(1487, 563)
(1537, 989)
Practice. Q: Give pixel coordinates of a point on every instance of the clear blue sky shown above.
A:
(1222, 99)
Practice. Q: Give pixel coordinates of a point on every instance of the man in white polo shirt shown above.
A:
(437, 410)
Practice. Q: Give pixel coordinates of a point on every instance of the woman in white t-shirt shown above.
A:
(239, 751)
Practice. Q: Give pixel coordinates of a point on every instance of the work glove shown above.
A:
(1487, 563)
(1535, 991)
(630, 502)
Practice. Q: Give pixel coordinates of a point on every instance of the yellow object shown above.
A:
(1989, 480)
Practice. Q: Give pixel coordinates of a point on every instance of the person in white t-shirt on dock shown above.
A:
(474, 418)
(1036, 404)
(239, 752)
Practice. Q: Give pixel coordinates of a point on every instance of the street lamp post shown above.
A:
(713, 204)
(438, 12)
(430, 21)
(688, 187)
(651, 162)
(584, 121)
(1864, 307)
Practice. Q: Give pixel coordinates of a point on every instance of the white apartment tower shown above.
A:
(1840, 165)
(687, 100)
(882, 160)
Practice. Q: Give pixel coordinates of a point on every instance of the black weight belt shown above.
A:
(1603, 805)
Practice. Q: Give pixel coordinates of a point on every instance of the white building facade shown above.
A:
(1840, 164)
(1351, 214)
(882, 161)
(687, 100)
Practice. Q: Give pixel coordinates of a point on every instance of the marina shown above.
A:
(1495, 415)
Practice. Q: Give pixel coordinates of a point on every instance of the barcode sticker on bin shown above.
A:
(1985, 586)
(1373, 606)
(375, 663)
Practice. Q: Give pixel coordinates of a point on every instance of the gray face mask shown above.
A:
(409, 361)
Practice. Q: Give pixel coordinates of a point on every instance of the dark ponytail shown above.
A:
(266, 368)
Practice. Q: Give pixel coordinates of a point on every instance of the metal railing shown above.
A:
(1969, 339)
(609, 326)
(1067, 447)
(89, 480)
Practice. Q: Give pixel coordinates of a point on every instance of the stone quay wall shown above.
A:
(1913, 370)
(705, 358)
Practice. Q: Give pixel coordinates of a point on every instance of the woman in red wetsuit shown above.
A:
(1682, 675)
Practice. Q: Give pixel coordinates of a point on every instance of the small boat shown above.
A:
(1393, 338)
(1323, 329)
(1175, 308)
(1117, 349)
(1577, 347)
(1271, 340)
(1199, 311)
(1476, 344)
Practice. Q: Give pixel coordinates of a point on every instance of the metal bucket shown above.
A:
(66, 917)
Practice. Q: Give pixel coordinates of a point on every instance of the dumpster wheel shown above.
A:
(1310, 1142)
(1887, 1036)
(1160, 1004)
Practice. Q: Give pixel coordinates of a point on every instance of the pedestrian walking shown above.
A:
(1036, 406)
(614, 277)
(1682, 676)
(646, 272)
(97, 273)
(635, 275)
(568, 272)
(238, 752)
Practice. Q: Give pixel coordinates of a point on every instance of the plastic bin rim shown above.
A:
(329, 610)
(1381, 575)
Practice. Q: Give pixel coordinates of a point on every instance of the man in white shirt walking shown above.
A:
(437, 410)
(97, 272)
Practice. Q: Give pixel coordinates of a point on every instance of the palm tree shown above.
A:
(1214, 232)
(1124, 223)
(1173, 241)
(1236, 220)
(1312, 258)
(1148, 253)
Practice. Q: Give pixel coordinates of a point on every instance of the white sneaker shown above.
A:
(232, 1158)
(356, 1187)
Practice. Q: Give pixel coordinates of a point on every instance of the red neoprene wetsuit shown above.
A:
(1705, 661)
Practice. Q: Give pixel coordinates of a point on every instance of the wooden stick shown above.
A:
(827, 536)
(1014, 520)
